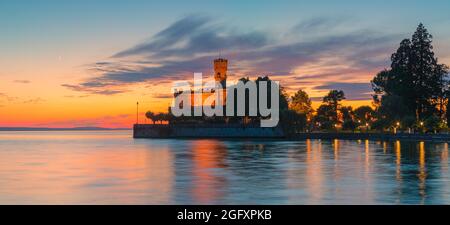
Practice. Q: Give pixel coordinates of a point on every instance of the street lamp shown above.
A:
(137, 112)
(396, 127)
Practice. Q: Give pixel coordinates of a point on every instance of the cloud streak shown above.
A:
(190, 44)
(356, 91)
(22, 81)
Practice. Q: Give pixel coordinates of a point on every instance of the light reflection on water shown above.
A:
(87, 167)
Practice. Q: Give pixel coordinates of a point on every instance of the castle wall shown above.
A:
(213, 131)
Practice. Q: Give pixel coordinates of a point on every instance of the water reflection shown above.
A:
(422, 171)
(112, 168)
(64, 169)
(398, 161)
(208, 156)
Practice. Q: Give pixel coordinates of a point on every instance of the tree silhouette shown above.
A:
(364, 114)
(333, 99)
(151, 116)
(301, 103)
(415, 78)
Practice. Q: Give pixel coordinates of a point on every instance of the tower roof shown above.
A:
(220, 60)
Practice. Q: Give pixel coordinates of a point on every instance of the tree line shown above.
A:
(411, 96)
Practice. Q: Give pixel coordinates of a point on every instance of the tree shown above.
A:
(166, 117)
(333, 99)
(447, 114)
(364, 114)
(416, 77)
(301, 103)
(157, 117)
(324, 117)
(292, 121)
(347, 113)
(433, 124)
(349, 125)
(348, 118)
(392, 109)
(151, 116)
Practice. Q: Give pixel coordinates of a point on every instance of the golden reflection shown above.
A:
(398, 162)
(308, 147)
(444, 156)
(384, 147)
(367, 149)
(444, 163)
(308, 178)
(207, 155)
(314, 176)
(368, 171)
(422, 170)
(336, 149)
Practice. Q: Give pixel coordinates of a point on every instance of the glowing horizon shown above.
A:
(86, 63)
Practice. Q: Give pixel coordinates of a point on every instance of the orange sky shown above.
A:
(65, 65)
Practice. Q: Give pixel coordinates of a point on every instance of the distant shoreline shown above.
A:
(60, 129)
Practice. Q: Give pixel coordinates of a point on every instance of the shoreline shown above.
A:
(222, 132)
(441, 138)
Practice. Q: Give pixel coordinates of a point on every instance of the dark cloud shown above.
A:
(163, 95)
(353, 91)
(168, 37)
(100, 91)
(22, 81)
(190, 44)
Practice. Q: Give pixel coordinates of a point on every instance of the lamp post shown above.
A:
(396, 127)
(137, 112)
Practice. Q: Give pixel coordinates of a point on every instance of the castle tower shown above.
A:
(220, 71)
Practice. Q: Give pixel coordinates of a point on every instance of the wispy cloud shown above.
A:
(163, 95)
(22, 81)
(34, 101)
(190, 44)
(92, 88)
(319, 25)
(23, 100)
(353, 91)
(7, 98)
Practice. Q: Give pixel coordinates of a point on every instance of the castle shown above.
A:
(220, 71)
(220, 77)
(210, 127)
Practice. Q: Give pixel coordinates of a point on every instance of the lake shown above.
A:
(110, 167)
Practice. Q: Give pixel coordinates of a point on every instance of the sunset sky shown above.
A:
(87, 62)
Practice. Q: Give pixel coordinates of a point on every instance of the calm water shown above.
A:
(112, 168)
